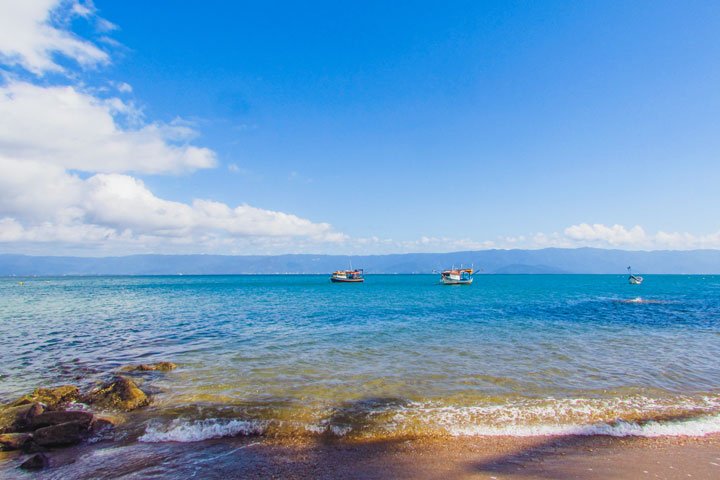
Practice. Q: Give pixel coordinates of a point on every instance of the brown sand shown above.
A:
(501, 458)
(447, 458)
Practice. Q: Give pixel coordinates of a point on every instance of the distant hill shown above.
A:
(547, 261)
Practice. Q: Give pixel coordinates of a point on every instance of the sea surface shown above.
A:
(398, 355)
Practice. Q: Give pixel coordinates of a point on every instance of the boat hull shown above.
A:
(346, 280)
(450, 281)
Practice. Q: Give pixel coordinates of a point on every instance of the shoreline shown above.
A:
(565, 457)
(128, 433)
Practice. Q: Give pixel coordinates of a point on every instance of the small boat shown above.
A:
(457, 276)
(347, 276)
(634, 279)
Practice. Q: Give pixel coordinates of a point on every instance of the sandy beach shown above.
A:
(594, 457)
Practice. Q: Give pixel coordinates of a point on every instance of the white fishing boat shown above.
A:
(347, 276)
(634, 279)
(457, 276)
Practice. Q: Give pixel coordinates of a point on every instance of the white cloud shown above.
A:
(122, 201)
(574, 236)
(615, 235)
(119, 208)
(124, 87)
(620, 236)
(82, 9)
(63, 126)
(66, 154)
(29, 39)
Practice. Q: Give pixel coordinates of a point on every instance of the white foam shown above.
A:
(198, 430)
(552, 417)
(323, 428)
(696, 427)
(633, 415)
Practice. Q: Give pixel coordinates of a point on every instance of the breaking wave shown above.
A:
(688, 428)
(198, 430)
(618, 417)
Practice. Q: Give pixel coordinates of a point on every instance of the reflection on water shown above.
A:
(398, 353)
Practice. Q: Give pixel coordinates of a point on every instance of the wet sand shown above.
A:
(597, 457)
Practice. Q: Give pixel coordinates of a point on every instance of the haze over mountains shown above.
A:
(550, 260)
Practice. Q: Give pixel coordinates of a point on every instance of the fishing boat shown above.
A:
(457, 276)
(347, 276)
(634, 279)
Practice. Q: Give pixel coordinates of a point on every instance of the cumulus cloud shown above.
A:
(68, 156)
(29, 37)
(575, 236)
(122, 201)
(63, 126)
(44, 201)
(620, 236)
(109, 207)
(615, 235)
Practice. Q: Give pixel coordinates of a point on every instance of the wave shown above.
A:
(617, 417)
(198, 430)
(641, 300)
(697, 427)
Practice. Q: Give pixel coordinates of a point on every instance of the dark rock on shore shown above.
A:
(150, 367)
(47, 419)
(119, 394)
(15, 441)
(36, 462)
(19, 418)
(52, 398)
(59, 435)
(102, 429)
(39, 420)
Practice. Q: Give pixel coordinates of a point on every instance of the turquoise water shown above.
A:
(399, 354)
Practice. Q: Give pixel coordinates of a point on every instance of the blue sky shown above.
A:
(417, 126)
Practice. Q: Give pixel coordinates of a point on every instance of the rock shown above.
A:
(14, 441)
(52, 398)
(36, 462)
(150, 367)
(32, 447)
(55, 418)
(18, 418)
(119, 394)
(101, 425)
(59, 435)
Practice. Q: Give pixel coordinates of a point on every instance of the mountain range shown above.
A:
(543, 261)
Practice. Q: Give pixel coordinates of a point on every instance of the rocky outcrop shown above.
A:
(63, 434)
(40, 420)
(36, 462)
(119, 394)
(150, 367)
(48, 419)
(19, 418)
(102, 425)
(52, 398)
(14, 441)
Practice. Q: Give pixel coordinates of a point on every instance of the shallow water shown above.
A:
(397, 355)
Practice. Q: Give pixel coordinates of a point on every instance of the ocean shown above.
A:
(288, 356)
